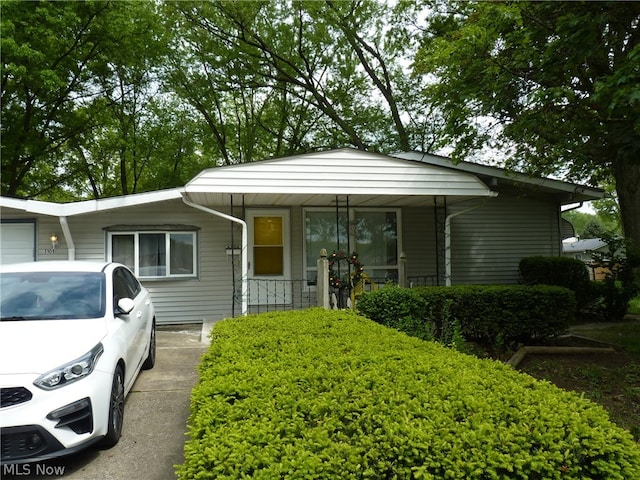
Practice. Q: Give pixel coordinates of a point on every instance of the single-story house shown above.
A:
(247, 237)
(585, 249)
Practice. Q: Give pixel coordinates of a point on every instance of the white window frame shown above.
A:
(351, 233)
(136, 251)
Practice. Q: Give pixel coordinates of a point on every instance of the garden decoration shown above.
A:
(352, 275)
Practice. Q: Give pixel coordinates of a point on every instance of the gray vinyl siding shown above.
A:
(189, 300)
(207, 297)
(488, 243)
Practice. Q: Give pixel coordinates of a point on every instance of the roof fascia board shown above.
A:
(497, 172)
(89, 206)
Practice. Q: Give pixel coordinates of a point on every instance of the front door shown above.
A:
(269, 257)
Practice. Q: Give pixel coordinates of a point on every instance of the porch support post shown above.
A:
(402, 271)
(322, 281)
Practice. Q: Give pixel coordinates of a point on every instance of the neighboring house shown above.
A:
(584, 250)
(247, 237)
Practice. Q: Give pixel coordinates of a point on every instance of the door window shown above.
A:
(268, 246)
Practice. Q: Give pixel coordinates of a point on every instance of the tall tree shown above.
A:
(273, 78)
(80, 98)
(556, 85)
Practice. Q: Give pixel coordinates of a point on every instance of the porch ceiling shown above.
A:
(368, 179)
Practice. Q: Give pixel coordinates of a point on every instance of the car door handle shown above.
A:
(139, 314)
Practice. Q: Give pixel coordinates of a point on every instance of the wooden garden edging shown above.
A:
(523, 351)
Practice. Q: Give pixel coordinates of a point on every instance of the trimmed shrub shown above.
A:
(400, 308)
(565, 272)
(505, 314)
(611, 300)
(489, 314)
(328, 394)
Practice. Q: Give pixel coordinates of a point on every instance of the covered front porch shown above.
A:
(395, 214)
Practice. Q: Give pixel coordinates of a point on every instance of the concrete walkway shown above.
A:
(155, 419)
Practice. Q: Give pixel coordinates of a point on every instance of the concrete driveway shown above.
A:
(155, 417)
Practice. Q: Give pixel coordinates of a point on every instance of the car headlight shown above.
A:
(70, 372)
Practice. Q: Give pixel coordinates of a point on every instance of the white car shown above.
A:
(73, 338)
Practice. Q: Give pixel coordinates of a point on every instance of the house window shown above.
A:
(155, 254)
(372, 233)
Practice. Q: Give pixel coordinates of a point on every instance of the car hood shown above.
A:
(41, 345)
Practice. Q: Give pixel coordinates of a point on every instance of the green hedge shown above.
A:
(565, 272)
(485, 313)
(330, 395)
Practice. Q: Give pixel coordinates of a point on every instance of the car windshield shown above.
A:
(51, 295)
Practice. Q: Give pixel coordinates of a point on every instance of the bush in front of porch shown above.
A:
(330, 394)
(496, 316)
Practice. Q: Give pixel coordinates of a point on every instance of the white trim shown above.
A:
(167, 250)
(447, 241)
(285, 213)
(258, 294)
(88, 206)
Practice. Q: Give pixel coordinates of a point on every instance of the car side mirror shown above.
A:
(125, 305)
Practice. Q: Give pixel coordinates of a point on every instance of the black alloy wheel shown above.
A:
(116, 409)
(150, 361)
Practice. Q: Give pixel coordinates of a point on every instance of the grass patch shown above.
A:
(625, 335)
(634, 306)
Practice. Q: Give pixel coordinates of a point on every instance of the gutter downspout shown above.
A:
(245, 246)
(447, 241)
(580, 204)
(71, 247)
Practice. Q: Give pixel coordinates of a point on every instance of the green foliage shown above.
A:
(578, 219)
(328, 394)
(401, 308)
(565, 272)
(608, 210)
(495, 316)
(593, 229)
(81, 113)
(634, 306)
(621, 282)
(109, 98)
(554, 85)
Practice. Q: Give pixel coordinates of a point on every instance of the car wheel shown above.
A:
(150, 361)
(116, 409)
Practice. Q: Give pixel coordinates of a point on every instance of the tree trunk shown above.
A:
(627, 176)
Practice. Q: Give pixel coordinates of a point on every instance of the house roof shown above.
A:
(498, 178)
(369, 179)
(586, 245)
(322, 178)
